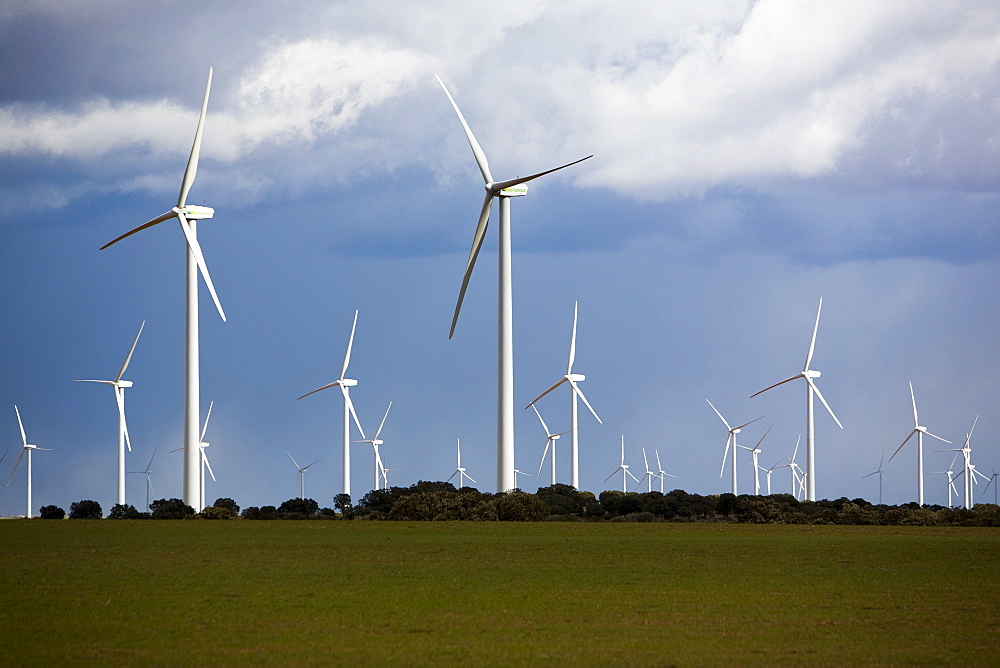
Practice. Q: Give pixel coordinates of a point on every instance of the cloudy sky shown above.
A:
(749, 159)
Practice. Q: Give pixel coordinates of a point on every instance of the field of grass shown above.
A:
(360, 593)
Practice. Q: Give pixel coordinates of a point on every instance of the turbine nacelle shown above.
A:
(811, 373)
(194, 212)
(124, 383)
(347, 382)
(576, 377)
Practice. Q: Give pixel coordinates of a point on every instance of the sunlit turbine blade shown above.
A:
(787, 380)
(156, 221)
(938, 437)
(381, 424)
(903, 443)
(350, 406)
(725, 454)
(207, 417)
(497, 187)
(632, 475)
(820, 395)
(645, 462)
(796, 451)
(24, 439)
(16, 464)
(659, 466)
(720, 417)
(579, 392)
(350, 345)
(477, 150)
(320, 389)
(533, 401)
(477, 244)
(128, 358)
(192, 165)
(572, 342)
(544, 453)
(120, 399)
(812, 343)
(297, 467)
(470, 477)
(204, 458)
(200, 259)
(913, 398)
(544, 426)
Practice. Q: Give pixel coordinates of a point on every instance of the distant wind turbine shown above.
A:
(187, 215)
(769, 472)
(203, 462)
(550, 441)
(809, 375)
(575, 392)
(505, 353)
(879, 473)
(119, 385)
(650, 474)
(755, 452)
(951, 480)
(375, 442)
(623, 467)
(966, 473)
(518, 472)
(794, 467)
(730, 439)
(344, 384)
(993, 479)
(302, 474)
(661, 473)
(919, 431)
(25, 447)
(149, 479)
(460, 470)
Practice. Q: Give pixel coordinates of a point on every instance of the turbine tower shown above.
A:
(344, 384)
(25, 447)
(919, 431)
(505, 335)
(187, 215)
(731, 438)
(574, 393)
(811, 389)
(119, 386)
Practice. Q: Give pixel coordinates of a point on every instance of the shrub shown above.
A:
(51, 513)
(123, 512)
(170, 509)
(85, 510)
(218, 513)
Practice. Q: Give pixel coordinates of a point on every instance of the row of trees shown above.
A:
(427, 501)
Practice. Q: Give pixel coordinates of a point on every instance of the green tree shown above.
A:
(51, 513)
(123, 512)
(170, 509)
(85, 510)
(227, 503)
(342, 502)
(520, 507)
(298, 508)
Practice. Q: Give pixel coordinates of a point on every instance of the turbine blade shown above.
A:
(659, 466)
(561, 381)
(902, 444)
(763, 437)
(544, 426)
(542, 463)
(24, 439)
(305, 468)
(350, 344)
(204, 458)
(320, 389)
(470, 478)
(747, 423)
(645, 462)
(200, 259)
(725, 454)
(297, 467)
(147, 471)
(913, 398)
(632, 475)
(605, 480)
(787, 380)
(156, 221)
(16, 464)
(579, 392)
(350, 406)
(497, 187)
(812, 343)
(938, 437)
(128, 358)
(477, 244)
(820, 395)
(192, 165)
(382, 423)
(452, 476)
(207, 417)
(572, 342)
(720, 416)
(120, 399)
(477, 150)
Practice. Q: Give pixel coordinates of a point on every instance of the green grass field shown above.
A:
(364, 593)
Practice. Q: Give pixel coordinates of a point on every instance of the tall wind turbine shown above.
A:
(919, 431)
(550, 440)
(811, 389)
(730, 439)
(505, 348)
(119, 386)
(302, 474)
(149, 478)
(187, 215)
(755, 452)
(623, 467)
(661, 473)
(575, 392)
(375, 442)
(25, 447)
(460, 470)
(345, 384)
(879, 473)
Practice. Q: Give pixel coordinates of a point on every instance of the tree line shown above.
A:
(439, 501)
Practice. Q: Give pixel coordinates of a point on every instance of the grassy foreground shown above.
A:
(361, 593)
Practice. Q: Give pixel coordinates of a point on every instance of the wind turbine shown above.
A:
(919, 431)
(505, 348)
(25, 447)
(375, 442)
(623, 467)
(794, 467)
(769, 472)
(550, 440)
(460, 470)
(731, 438)
(662, 474)
(302, 474)
(991, 482)
(119, 386)
(344, 384)
(575, 392)
(203, 462)
(879, 473)
(149, 479)
(649, 474)
(518, 472)
(811, 389)
(187, 215)
(951, 480)
(966, 451)
(755, 451)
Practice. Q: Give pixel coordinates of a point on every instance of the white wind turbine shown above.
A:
(730, 439)
(505, 348)
(919, 431)
(518, 472)
(25, 447)
(575, 392)
(795, 469)
(302, 474)
(344, 384)
(649, 475)
(203, 462)
(460, 470)
(661, 474)
(879, 473)
(550, 440)
(187, 215)
(951, 480)
(375, 442)
(966, 451)
(149, 478)
(992, 481)
(119, 385)
(623, 467)
(755, 452)
(769, 472)
(811, 389)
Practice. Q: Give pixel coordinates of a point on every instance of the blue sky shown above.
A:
(750, 158)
